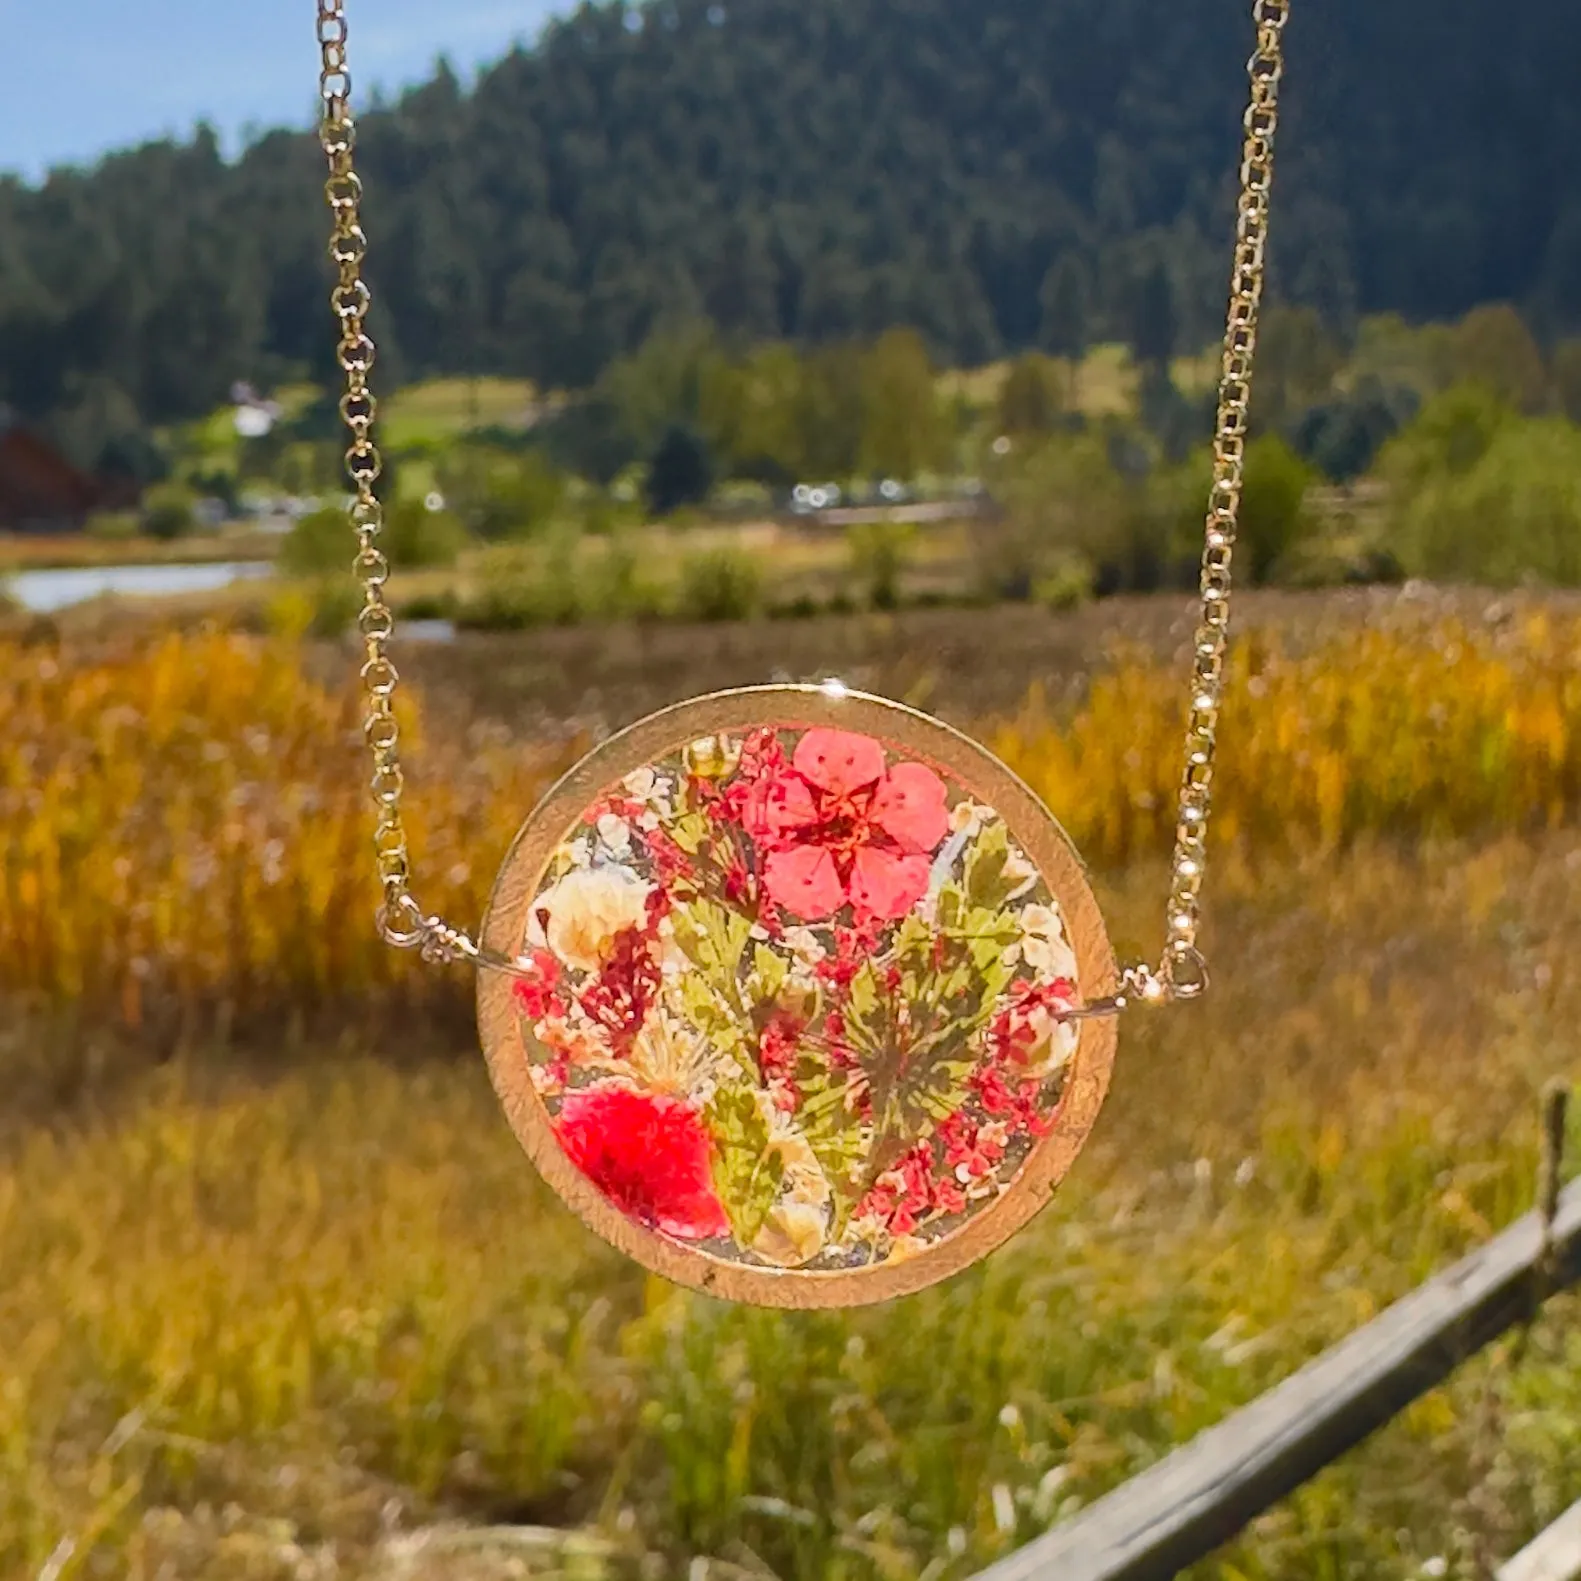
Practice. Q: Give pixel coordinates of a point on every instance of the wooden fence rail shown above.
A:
(1200, 1497)
(1555, 1556)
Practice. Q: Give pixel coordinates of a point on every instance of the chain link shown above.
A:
(401, 921)
(1183, 973)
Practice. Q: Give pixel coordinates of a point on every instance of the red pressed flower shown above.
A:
(627, 986)
(535, 994)
(905, 1195)
(650, 1155)
(777, 1047)
(669, 860)
(969, 1149)
(1021, 1107)
(625, 807)
(839, 827)
(1017, 1030)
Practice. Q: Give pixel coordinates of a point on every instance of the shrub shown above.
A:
(169, 510)
(1449, 436)
(720, 584)
(574, 580)
(1067, 585)
(500, 495)
(1274, 518)
(327, 607)
(319, 544)
(1063, 496)
(114, 526)
(1514, 516)
(1343, 437)
(415, 536)
(1034, 395)
(680, 473)
(324, 543)
(880, 553)
(1274, 521)
(1494, 348)
(1567, 379)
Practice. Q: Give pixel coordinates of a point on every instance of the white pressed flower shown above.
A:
(793, 1234)
(641, 784)
(968, 817)
(1020, 874)
(805, 946)
(614, 834)
(804, 1180)
(1044, 945)
(587, 910)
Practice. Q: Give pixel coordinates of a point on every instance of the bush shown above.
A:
(1058, 498)
(1448, 437)
(326, 608)
(114, 526)
(1567, 379)
(1494, 348)
(880, 553)
(416, 537)
(720, 584)
(1514, 516)
(1274, 517)
(574, 581)
(680, 473)
(1068, 585)
(1034, 395)
(324, 542)
(169, 511)
(1274, 521)
(500, 495)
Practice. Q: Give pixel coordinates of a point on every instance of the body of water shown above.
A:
(43, 592)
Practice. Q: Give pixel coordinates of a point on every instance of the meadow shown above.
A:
(282, 1299)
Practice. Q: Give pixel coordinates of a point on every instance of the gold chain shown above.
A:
(401, 920)
(1183, 973)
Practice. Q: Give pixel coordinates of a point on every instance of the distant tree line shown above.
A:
(1002, 175)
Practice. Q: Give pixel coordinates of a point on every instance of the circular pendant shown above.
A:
(787, 1023)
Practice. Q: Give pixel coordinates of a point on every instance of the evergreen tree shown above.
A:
(1066, 304)
(680, 473)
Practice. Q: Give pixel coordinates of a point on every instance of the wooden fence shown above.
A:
(1205, 1493)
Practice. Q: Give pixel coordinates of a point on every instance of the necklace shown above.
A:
(797, 996)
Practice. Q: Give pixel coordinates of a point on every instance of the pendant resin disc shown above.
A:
(786, 1019)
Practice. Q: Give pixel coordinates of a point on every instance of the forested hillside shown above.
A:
(999, 174)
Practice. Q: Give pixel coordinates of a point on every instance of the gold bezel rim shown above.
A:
(975, 770)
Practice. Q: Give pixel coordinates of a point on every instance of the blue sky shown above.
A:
(81, 77)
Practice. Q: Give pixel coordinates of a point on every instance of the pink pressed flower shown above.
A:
(841, 828)
(651, 1156)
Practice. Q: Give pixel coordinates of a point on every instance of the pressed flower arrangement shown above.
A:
(796, 999)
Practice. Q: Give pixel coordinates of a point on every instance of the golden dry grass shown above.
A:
(185, 831)
(303, 1302)
(250, 1327)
